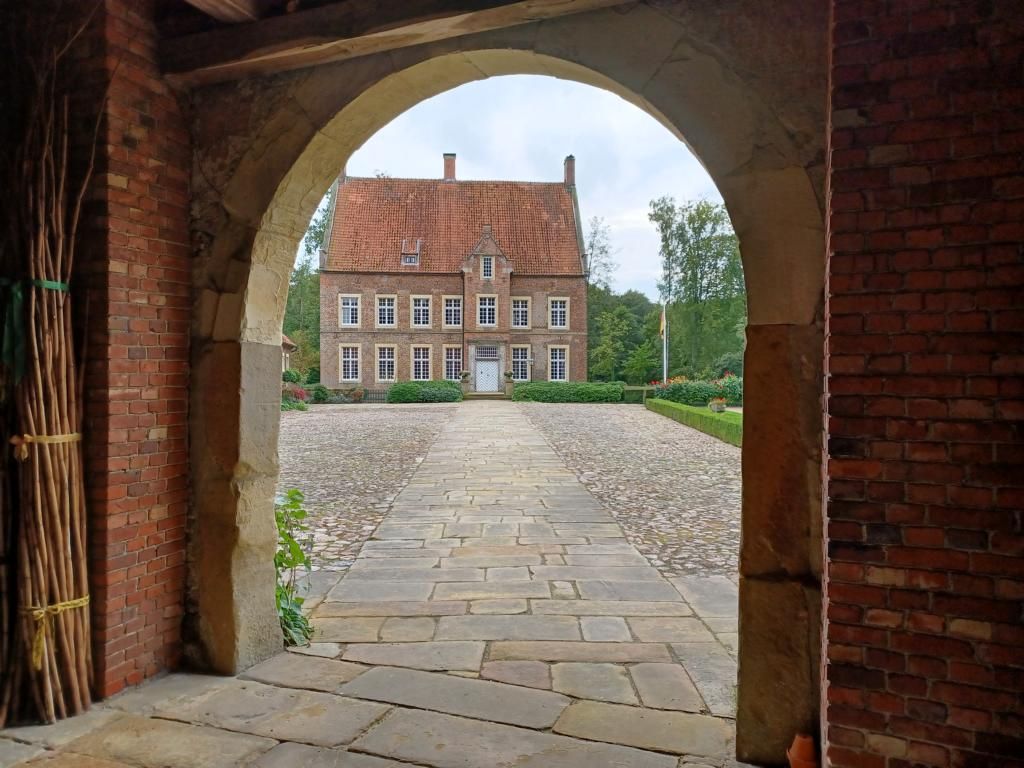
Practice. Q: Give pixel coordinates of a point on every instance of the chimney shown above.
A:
(449, 166)
(570, 171)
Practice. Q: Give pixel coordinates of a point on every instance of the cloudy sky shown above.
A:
(522, 127)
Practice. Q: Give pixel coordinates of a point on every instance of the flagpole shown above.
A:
(664, 343)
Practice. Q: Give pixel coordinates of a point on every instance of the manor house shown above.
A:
(426, 278)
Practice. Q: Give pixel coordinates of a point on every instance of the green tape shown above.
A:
(53, 285)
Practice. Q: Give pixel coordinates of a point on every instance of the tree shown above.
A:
(302, 310)
(702, 278)
(600, 264)
(614, 327)
(643, 363)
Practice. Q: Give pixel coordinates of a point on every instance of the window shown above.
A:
(348, 311)
(385, 363)
(453, 363)
(558, 312)
(487, 310)
(421, 311)
(558, 369)
(488, 352)
(520, 363)
(410, 259)
(520, 313)
(350, 363)
(453, 311)
(487, 267)
(421, 363)
(386, 310)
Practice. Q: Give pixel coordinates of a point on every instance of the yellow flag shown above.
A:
(661, 330)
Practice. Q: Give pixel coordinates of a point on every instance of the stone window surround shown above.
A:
(462, 361)
(528, 361)
(376, 315)
(412, 310)
(358, 361)
(341, 310)
(412, 361)
(553, 299)
(494, 298)
(394, 363)
(565, 349)
(444, 311)
(529, 310)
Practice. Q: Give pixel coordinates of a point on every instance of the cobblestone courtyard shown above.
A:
(497, 617)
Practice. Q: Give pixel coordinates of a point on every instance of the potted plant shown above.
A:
(509, 384)
(717, 404)
(465, 381)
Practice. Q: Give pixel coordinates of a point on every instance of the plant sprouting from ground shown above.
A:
(291, 562)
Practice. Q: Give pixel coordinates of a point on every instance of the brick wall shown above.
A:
(136, 267)
(925, 392)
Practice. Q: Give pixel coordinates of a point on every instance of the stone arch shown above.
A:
(266, 150)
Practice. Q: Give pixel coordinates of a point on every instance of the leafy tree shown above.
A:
(302, 311)
(600, 264)
(614, 327)
(643, 363)
(702, 278)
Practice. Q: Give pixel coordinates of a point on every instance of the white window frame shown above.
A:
(341, 310)
(412, 361)
(494, 298)
(513, 361)
(394, 362)
(376, 310)
(484, 261)
(444, 311)
(341, 362)
(551, 300)
(552, 348)
(462, 361)
(412, 311)
(512, 310)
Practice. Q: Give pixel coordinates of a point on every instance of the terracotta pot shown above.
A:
(801, 753)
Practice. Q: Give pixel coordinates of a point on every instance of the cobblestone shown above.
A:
(675, 491)
(351, 461)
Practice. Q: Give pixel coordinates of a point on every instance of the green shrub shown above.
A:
(569, 392)
(293, 405)
(634, 394)
(289, 559)
(291, 376)
(321, 394)
(313, 375)
(698, 392)
(441, 391)
(727, 426)
(730, 362)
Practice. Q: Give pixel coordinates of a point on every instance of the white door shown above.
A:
(487, 376)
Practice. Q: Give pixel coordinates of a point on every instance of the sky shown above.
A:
(521, 127)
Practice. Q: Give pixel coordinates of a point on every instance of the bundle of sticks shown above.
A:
(47, 650)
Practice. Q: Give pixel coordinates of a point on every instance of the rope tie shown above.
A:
(22, 442)
(43, 617)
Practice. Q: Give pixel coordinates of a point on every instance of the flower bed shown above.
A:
(699, 392)
(727, 426)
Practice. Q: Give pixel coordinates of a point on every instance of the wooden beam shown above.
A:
(345, 30)
(231, 11)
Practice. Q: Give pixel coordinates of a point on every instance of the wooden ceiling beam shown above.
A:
(230, 11)
(344, 30)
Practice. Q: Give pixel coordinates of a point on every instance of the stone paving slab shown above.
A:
(455, 655)
(291, 755)
(480, 699)
(444, 741)
(508, 628)
(622, 653)
(291, 670)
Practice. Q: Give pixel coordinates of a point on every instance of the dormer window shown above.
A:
(487, 267)
(410, 254)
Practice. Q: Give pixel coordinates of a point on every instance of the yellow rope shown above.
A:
(43, 616)
(21, 442)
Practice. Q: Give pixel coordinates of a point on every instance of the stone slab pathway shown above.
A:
(498, 617)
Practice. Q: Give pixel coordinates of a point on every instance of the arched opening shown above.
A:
(253, 209)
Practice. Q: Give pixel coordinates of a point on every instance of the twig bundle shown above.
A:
(49, 674)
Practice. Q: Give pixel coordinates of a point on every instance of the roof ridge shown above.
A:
(447, 182)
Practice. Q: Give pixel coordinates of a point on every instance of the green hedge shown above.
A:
(569, 392)
(425, 392)
(636, 394)
(727, 426)
(698, 392)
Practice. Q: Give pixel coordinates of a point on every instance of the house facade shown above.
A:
(426, 278)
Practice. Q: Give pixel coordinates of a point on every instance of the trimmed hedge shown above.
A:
(425, 392)
(726, 426)
(569, 392)
(698, 392)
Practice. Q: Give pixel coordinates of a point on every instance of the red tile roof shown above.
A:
(533, 223)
